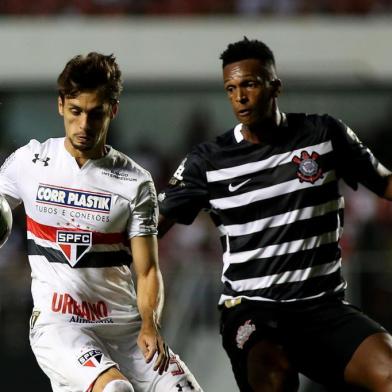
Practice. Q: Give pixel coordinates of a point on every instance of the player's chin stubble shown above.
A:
(82, 146)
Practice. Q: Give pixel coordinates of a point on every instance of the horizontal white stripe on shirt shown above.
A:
(283, 219)
(282, 248)
(246, 198)
(284, 277)
(337, 289)
(273, 161)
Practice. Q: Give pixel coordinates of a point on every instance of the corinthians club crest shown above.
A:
(308, 168)
(244, 332)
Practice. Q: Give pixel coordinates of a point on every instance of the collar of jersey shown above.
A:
(237, 129)
(108, 148)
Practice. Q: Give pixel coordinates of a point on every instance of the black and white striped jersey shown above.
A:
(277, 205)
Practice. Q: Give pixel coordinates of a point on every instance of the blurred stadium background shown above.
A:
(333, 56)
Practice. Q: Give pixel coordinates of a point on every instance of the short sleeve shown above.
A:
(355, 162)
(186, 193)
(9, 175)
(144, 214)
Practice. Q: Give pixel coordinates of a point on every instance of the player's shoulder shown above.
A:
(122, 163)
(225, 139)
(307, 118)
(313, 119)
(220, 142)
(314, 124)
(40, 150)
(48, 143)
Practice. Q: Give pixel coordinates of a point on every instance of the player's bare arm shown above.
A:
(149, 300)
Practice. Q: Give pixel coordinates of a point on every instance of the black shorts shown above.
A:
(319, 337)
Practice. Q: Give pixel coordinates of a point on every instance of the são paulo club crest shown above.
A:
(74, 244)
(308, 168)
(91, 358)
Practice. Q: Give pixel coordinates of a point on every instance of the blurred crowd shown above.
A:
(194, 7)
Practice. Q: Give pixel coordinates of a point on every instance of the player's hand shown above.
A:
(151, 342)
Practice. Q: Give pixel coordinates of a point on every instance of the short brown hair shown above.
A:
(92, 72)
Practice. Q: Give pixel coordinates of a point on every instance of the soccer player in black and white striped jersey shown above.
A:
(271, 185)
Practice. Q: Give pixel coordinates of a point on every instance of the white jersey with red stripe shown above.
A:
(79, 222)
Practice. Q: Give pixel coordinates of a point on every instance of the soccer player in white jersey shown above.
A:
(271, 186)
(92, 211)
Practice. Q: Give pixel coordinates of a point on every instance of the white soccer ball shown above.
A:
(5, 220)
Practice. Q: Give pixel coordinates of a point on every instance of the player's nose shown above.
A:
(240, 96)
(83, 121)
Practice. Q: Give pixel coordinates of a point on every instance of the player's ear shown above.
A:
(60, 105)
(114, 110)
(276, 85)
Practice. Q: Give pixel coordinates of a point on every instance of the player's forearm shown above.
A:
(150, 296)
(149, 278)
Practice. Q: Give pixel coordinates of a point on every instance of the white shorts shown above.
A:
(73, 356)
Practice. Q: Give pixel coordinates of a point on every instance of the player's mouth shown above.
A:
(84, 138)
(244, 113)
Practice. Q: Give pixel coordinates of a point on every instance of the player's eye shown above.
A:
(251, 84)
(75, 111)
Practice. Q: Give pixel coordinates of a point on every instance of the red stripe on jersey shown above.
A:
(49, 233)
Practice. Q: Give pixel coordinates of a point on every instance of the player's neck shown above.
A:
(82, 156)
(265, 131)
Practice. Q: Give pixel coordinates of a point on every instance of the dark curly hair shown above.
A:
(92, 72)
(247, 49)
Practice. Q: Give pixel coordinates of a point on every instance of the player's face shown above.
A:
(86, 121)
(252, 87)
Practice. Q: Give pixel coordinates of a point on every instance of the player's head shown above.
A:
(251, 81)
(89, 89)
(247, 49)
(94, 71)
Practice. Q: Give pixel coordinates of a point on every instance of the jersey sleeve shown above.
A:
(9, 175)
(144, 215)
(186, 193)
(355, 162)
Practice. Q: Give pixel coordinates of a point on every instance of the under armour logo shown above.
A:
(188, 385)
(44, 161)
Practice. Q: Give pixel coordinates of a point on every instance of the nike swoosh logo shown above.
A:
(233, 188)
